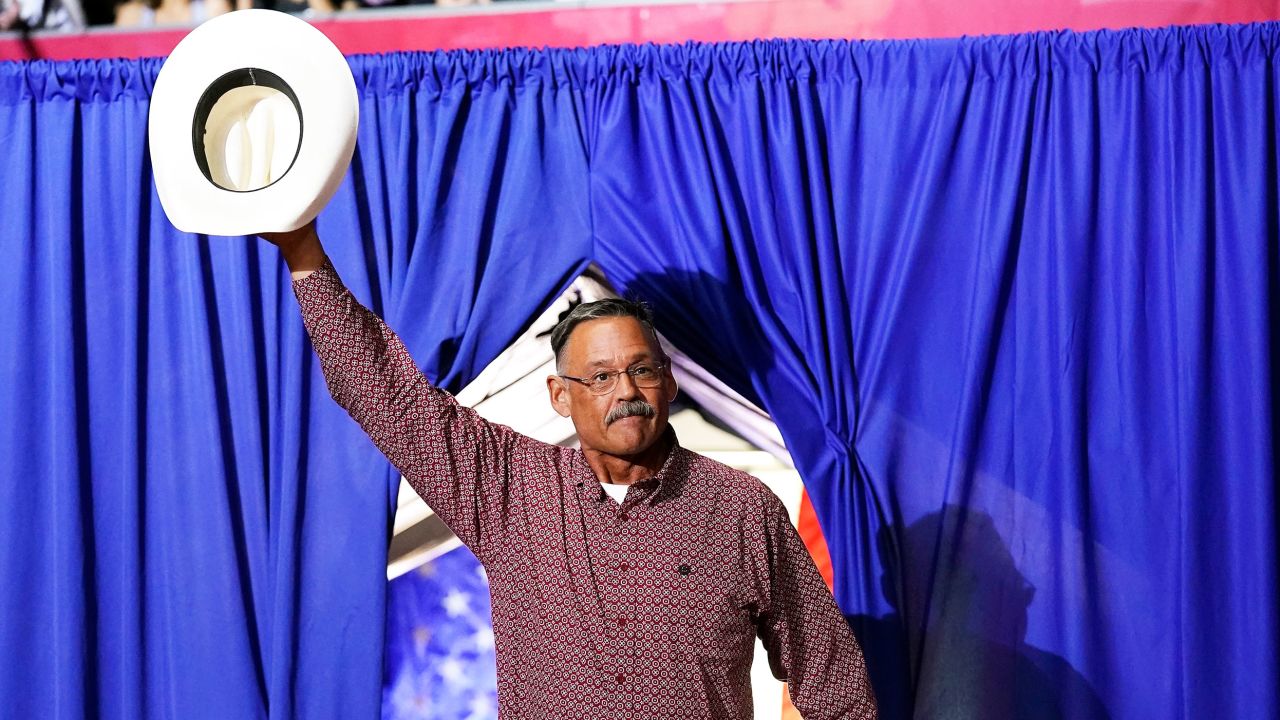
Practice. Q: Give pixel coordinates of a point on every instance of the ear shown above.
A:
(559, 393)
(673, 388)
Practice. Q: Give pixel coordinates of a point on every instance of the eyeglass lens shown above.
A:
(644, 376)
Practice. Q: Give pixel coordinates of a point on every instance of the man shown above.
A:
(629, 578)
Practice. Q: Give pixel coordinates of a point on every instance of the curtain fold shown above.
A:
(1010, 301)
(189, 526)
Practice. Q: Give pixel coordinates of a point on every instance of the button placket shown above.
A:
(614, 569)
(625, 512)
(624, 571)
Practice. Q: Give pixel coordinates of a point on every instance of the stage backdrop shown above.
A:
(1011, 301)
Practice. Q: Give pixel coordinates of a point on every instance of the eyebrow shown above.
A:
(638, 357)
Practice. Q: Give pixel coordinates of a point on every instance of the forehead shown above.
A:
(610, 341)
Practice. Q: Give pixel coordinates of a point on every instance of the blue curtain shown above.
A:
(189, 526)
(1010, 301)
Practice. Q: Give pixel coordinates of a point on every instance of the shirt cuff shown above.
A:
(320, 288)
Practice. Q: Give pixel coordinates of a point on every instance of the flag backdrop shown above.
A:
(439, 652)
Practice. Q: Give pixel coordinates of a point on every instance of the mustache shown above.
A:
(628, 409)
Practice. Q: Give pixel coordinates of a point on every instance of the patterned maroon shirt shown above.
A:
(644, 609)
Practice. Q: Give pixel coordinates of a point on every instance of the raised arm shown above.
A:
(809, 642)
(457, 461)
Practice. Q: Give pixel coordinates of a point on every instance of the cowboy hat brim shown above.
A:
(251, 48)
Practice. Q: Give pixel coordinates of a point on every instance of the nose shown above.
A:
(627, 387)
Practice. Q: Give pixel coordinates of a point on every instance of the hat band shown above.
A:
(247, 77)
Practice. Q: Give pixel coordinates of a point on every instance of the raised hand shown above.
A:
(301, 249)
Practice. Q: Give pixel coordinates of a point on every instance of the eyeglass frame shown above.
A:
(586, 382)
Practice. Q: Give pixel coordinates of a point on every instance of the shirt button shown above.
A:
(621, 678)
(624, 517)
(622, 622)
(624, 567)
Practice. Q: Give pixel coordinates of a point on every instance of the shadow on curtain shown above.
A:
(1011, 302)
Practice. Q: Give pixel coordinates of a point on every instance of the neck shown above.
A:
(629, 469)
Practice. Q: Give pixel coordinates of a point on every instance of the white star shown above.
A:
(483, 638)
(481, 707)
(452, 671)
(456, 603)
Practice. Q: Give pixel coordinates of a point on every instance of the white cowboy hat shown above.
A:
(252, 125)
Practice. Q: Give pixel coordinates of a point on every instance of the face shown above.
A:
(614, 343)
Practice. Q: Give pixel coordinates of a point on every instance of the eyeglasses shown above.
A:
(602, 382)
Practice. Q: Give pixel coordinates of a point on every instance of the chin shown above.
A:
(627, 449)
(630, 443)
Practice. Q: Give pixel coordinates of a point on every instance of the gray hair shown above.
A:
(607, 308)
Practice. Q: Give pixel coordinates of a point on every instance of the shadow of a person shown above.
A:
(955, 648)
(955, 645)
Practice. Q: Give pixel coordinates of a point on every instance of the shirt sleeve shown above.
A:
(457, 461)
(809, 642)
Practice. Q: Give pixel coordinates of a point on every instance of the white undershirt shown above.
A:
(617, 492)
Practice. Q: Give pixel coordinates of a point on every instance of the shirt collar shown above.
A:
(668, 478)
(673, 472)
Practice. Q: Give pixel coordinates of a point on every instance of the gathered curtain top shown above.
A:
(906, 63)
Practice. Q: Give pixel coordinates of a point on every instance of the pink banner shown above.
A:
(507, 24)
